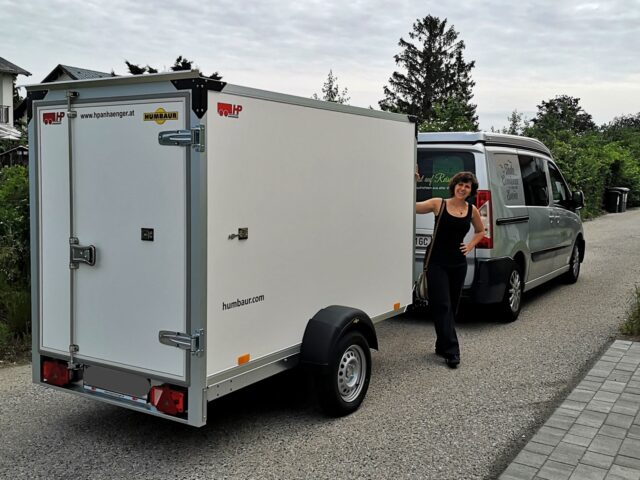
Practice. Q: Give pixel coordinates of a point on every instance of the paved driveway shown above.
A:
(419, 420)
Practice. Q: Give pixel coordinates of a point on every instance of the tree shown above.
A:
(435, 72)
(331, 91)
(562, 113)
(181, 63)
(518, 125)
(449, 116)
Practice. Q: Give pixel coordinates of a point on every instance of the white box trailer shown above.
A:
(191, 237)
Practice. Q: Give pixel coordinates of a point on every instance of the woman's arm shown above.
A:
(429, 206)
(478, 227)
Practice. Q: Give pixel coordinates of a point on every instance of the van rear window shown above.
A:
(435, 169)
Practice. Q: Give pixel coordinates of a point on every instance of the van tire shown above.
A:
(574, 266)
(509, 307)
(343, 384)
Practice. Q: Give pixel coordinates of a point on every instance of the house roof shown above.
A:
(8, 67)
(9, 133)
(75, 73)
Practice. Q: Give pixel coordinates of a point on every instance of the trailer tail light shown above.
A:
(55, 372)
(483, 203)
(167, 400)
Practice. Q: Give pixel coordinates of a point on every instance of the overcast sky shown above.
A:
(525, 51)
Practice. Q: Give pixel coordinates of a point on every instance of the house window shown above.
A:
(4, 114)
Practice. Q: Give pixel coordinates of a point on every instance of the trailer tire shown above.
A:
(343, 384)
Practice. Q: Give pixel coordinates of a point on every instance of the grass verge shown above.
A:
(631, 326)
(14, 351)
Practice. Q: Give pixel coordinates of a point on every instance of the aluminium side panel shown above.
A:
(327, 200)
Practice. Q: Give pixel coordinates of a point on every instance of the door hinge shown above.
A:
(194, 138)
(80, 254)
(193, 343)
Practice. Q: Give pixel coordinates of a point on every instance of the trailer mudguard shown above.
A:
(327, 327)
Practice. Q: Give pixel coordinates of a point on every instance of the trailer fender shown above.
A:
(326, 328)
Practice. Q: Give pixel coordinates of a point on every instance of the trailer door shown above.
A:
(114, 234)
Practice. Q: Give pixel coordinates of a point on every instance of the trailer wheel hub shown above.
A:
(351, 372)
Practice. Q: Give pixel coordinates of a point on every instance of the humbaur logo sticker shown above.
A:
(229, 110)
(52, 118)
(160, 116)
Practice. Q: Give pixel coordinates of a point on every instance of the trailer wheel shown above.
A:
(343, 386)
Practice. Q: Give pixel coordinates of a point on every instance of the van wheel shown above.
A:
(509, 308)
(343, 386)
(574, 266)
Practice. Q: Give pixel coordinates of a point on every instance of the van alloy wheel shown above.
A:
(575, 261)
(351, 373)
(515, 291)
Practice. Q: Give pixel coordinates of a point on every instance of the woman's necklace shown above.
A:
(460, 209)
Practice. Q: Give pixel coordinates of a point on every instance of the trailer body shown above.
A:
(186, 233)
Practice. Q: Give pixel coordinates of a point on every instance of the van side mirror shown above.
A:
(577, 199)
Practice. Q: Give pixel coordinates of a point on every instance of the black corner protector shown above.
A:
(414, 119)
(31, 96)
(199, 88)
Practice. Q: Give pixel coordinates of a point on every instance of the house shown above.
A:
(15, 156)
(8, 74)
(62, 73)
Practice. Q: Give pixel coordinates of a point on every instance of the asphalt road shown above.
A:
(419, 420)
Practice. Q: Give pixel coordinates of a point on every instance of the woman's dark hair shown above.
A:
(464, 177)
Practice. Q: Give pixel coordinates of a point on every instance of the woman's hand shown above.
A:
(466, 248)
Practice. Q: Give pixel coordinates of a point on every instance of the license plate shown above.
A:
(423, 241)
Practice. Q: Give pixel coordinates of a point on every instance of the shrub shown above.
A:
(632, 324)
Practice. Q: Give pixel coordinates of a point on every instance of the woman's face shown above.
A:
(462, 190)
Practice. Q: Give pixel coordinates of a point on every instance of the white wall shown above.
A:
(6, 93)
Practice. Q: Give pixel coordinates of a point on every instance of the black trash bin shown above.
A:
(612, 199)
(623, 200)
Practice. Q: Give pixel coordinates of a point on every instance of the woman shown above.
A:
(448, 265)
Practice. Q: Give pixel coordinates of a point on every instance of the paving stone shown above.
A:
(568, 453)
(630, 397)
(630, 448)
(580, 395)
(605, 396)
(583, 431)
(624, 472)
(632, 390)
(611, 431)
(611, 386)
(549, 436)
(576, 440)
(604, 444)
(627, 462)
(626, 367)
(626, 407)
(560, 421)
(590, 378)
(600, 373)
(555, 471)
(619, 420)
(634, 431)
(568, 413)
(572, 405)
(612, 358)
(540, 448)
(591, 418)
(599, 406)
(587, 385)
(515, 471)
(597, 459)
(587, 472)
(531, 459)
(620, 376)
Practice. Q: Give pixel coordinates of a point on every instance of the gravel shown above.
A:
(419, 420)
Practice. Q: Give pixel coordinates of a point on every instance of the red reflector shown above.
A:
(483, 203)
(167, 400)
(55, 373)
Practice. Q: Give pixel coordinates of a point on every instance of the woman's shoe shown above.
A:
(452, 361)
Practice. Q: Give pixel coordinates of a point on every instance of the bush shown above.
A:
(15, 303)
(632, 324)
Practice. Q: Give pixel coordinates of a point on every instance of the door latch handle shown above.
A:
(243, 234)
(81, 254)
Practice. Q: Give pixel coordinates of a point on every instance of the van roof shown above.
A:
(486, 138)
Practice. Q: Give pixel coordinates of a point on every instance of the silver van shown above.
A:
(533, 230)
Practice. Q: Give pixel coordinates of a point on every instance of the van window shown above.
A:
(435, 169)
(559, 189)
(509, 178)
(534, 181)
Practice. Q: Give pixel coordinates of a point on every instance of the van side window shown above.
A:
(534, 181)
(558, 188)
(435, 169)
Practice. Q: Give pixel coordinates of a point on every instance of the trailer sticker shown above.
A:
(229, 110)
(242, 302)
(52, 118)
(160, 116)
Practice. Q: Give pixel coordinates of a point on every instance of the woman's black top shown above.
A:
(451, 233)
